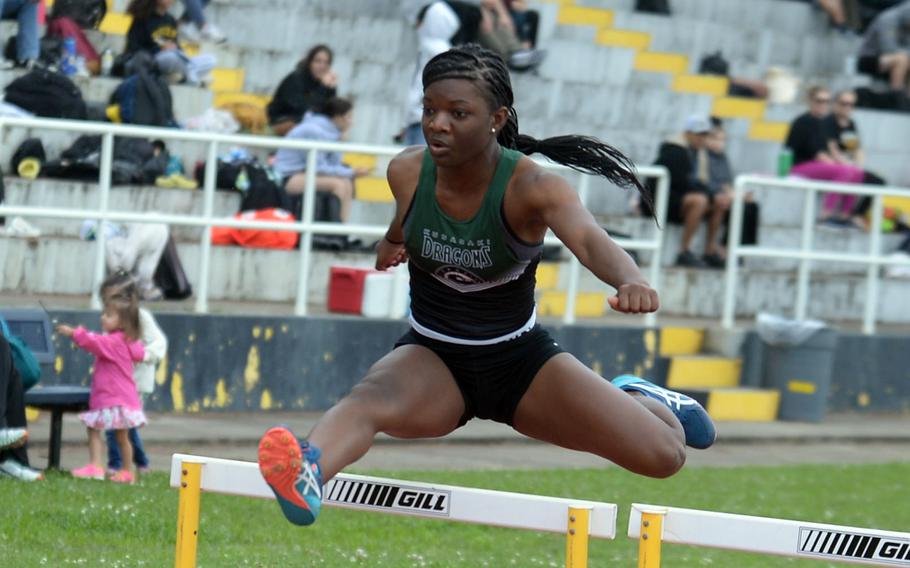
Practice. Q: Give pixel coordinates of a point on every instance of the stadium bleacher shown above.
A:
(626, 77)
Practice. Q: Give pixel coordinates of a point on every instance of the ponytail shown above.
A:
(581, 153)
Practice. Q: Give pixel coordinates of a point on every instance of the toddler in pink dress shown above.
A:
(114, 403)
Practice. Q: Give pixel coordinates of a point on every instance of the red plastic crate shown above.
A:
(346, 285)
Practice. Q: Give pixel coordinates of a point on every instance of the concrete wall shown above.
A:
(219, 363)
(267, 363)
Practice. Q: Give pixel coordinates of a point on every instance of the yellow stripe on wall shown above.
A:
(769, 131)
(738, 107)
(582, 15)
(623, 38)
(659, 62)
(701, 84)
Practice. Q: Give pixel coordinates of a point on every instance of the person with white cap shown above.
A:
(690, 195)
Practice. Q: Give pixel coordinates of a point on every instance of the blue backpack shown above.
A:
(23, 358)
(145, 99)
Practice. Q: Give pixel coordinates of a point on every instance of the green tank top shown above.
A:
(491, 268)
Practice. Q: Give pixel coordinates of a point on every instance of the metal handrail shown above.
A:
(306, 226)
(805, 254)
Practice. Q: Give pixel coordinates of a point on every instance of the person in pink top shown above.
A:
(114, 402)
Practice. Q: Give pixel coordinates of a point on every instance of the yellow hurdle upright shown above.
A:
(188, 514)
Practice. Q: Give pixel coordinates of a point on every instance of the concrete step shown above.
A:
(738, 404)
(703, 371)
(681, 341)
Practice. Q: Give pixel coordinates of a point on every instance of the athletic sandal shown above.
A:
(698, 426)
(291, 469)
(90, 471)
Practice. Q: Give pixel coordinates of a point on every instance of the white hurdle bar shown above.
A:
(653, 524)
(577, 519)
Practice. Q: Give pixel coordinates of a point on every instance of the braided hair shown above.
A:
(581, 153)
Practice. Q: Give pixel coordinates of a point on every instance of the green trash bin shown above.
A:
(799, 357)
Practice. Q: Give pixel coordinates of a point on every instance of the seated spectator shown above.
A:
(808, 141)
(690, 197)
(134, 248)
(497, 33)
(845, 147)
(526, 22)
(154, 31)
(885, 52)
(27, 46)
(194, 27)
(13, 433)
(720, 183)
(331, 124)
(308, 86)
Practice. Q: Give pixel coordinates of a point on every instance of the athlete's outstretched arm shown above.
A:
(402, 174)
(561, 210)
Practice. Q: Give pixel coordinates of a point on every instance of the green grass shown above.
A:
(68, 522)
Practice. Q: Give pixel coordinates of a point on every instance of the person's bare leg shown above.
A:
(835, 10)
(694, 206)
(569, 405)
(897, 66)
(296, 184)
(341, 187)
(95, 447)
(126, 449)
(718, 212)
(409, 393)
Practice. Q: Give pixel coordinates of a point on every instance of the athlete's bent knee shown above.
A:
(668, 458)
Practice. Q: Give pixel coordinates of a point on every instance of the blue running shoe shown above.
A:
(698, 426)
(291, 469)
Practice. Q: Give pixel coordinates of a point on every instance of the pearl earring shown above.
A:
(493, 130)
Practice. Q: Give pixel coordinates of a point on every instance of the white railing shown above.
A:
(306, 227)
(805, 253)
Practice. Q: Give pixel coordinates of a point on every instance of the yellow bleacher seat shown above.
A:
(738, 107)
(584, 16)
(360, 160)
(701, 84)
(226, 79)
(115, 23)
(373, 189)
(629, 39)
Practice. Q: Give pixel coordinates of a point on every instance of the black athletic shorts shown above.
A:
(868, 65)
(492, 378)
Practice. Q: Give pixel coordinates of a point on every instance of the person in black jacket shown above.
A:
(308, 86)
(154, 31)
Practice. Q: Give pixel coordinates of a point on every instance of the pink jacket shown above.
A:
(112, 381)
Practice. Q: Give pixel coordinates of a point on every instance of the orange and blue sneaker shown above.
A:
(698, 426)
(291, 468)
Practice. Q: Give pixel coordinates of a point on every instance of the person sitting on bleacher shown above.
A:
(885, 52)
(13, 433)
(195, 27)
(330, 123)
(807, 140)
(154, 31)
(690, 197)
(720, 182)
(845, 147)
(27, 40)
(308, 86)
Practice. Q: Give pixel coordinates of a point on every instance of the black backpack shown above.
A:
(653, 6)
(86, 13)
(30, 148)
(714, 64)
(145, 98)
(48, 94)
(170, 276)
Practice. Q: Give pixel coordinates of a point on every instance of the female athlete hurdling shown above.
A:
(472, 211)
